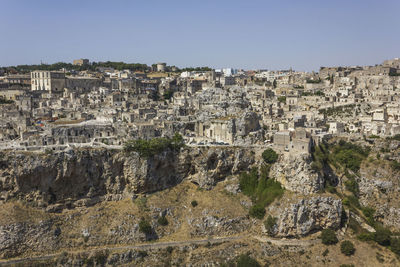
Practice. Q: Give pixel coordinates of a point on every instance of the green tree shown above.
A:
(382, 236)
(257, 211)
(269, 156)
(347, 248)
(144, 226)
(162, 221)
(245, 260)
(270, 223)
(395, 245)
(328, 237)
(194, 203)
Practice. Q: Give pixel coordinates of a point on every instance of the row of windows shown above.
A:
(41, 75)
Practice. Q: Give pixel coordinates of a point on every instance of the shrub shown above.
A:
(162, 221)
(369, 214)
(382, 236)
(142, 253)
(262, 190)
(366, 237)
(379, 257)
(148, 148)
(248, 182)
(194, 203)
(328, 237)
(395, 165)
(270, 156)
(282, 99)
(326, 252)
(257, 211)
(144, 226)
(352, 186)
(395, 245)
(267, 191)
(170, 249)
(347, 248)
(270, 223)
(348, 155)
(245, 260)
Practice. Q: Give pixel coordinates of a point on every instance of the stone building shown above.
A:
(81, 62)
(298, 140)
(52, 81)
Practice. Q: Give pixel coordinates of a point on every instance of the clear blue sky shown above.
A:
(303, 34)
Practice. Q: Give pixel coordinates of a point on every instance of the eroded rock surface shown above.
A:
(294, 172)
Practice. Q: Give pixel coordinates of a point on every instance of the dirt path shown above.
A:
(147, 246)
(158, 245)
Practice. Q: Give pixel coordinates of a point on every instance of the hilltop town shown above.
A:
(83, 104)
(118, 164)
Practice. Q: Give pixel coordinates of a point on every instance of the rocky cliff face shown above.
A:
(85, 176)
(379, 189)
(299, 217)
(294, 172)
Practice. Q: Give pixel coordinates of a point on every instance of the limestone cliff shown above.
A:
(85, 176)
(294, 172)
(299, 217)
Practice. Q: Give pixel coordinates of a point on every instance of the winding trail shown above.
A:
(158, 245)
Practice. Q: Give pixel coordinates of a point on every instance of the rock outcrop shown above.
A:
(307, 215)
(379, 189)
(294, 172)
(85, 176)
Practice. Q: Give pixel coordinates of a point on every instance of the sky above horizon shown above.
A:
(252, 34)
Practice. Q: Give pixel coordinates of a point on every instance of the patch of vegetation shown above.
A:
(200, 69)
(347, 248)
(68, 66)
(338, 111)
(373, 136)
(395, 245)
(352, 186)
(379, 257)
(270, 223)
(245, 260)
(162, 221)
(382, 236)
(366, 237)
(168, 95)
(394, 137)
(142, 253)
(395, 165)
(141, 202)
(369, 214)
(328, 237)
(262, 190)
(325, 253)
(348, 155)
(317, 93)
(269, 156)
(149, 148)
(282, 99)
(313, 81)
(5, 101)
(194, 203)
(170, 249)
(145, 227)
(257, 211)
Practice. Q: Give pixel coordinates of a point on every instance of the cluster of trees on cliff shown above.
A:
(92, 67)
(68, 66)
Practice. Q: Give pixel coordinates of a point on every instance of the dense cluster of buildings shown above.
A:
(286, 109)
